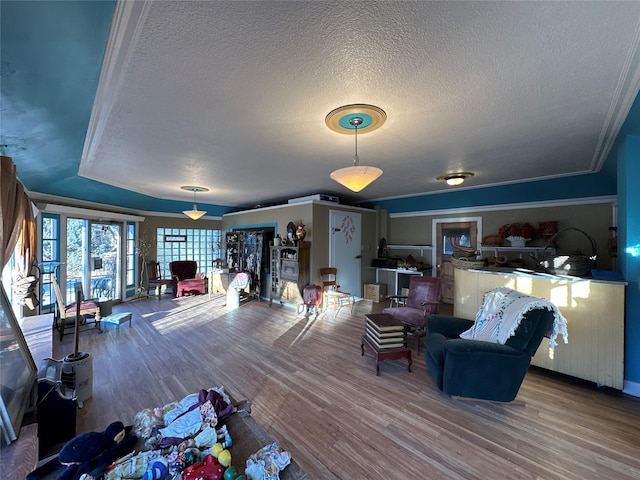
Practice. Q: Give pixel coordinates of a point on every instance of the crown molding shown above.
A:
(569, 202)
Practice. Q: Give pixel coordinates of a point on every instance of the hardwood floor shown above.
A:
(320, 399)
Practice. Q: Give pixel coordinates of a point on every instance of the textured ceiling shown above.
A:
(232, 95)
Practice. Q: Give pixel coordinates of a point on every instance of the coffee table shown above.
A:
(382, 354)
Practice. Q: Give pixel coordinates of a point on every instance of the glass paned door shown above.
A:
(77, 257)
(105, 262)
(93, 259)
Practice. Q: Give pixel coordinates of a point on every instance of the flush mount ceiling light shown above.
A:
(348, 120)
(194, 214)
(455, 178)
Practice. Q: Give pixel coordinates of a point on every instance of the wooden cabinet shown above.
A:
(289, 267)
(447, 274)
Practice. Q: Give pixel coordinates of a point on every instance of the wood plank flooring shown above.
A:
(320, 399)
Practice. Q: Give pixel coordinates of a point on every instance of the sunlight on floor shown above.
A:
(173, 319)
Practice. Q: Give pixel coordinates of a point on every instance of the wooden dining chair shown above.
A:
(156, 281)
(88, 308)
(332, 296)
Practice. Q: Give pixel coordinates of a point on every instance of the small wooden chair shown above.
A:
(87, 308)
(332, 296)
(156, 281)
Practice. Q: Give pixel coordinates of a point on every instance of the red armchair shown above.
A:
(186, 280)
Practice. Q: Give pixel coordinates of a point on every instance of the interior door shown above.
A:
(449, 234)
(345, 249)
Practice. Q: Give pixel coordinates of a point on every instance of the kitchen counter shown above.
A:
(594, 309)
(525, 272)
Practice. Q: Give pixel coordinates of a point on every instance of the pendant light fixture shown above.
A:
(194, 214)
(348, 119)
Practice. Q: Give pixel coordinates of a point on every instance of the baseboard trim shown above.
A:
(631, 388)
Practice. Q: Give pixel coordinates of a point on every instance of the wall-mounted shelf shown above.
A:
(533, 250)
(422, 248)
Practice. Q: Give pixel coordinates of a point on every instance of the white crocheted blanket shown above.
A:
(502, 310)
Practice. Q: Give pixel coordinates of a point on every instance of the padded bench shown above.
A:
(116, 319)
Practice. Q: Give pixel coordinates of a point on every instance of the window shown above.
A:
(203, 246)
(455, 236)
(131, 254)
(50, 258)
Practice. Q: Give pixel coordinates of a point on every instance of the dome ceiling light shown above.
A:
(455, 178)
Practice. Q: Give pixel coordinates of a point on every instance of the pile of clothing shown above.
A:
(181, 440)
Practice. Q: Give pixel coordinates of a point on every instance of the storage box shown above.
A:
(375, 292)
(320, 197)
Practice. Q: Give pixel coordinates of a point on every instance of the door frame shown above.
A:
(446, 270)
(435, 241)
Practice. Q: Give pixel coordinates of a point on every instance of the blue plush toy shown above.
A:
(93, 452)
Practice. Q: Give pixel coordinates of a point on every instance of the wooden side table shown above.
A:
(387, 354)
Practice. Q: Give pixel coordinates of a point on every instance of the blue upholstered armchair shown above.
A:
(478, 368)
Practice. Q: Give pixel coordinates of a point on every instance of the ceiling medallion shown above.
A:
(339, 119)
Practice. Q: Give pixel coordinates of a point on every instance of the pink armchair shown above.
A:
(186, 280)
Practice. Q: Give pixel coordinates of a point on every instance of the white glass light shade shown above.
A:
(194, 214)
(455, 180)
(357, 177)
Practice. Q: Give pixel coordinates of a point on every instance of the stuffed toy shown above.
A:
(267, 463)
(144, 463)
(188, 416)
(158, 471)
(207, 469)
(92, 452)
(146, 425)
(209, 436)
